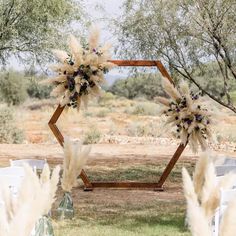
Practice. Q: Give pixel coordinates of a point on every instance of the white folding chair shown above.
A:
(37, 165)
(12, 170)
(12, 181)
(224, 169)
(225, 197)
(229, 161)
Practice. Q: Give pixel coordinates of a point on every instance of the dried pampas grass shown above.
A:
(75, 158)
(188, 112)
(227, 225)
(34, 200)
(81, 72)
(197, 220)
(203, 194)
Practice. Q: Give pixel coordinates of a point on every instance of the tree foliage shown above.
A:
(186, 35)
(28, 28)
(13, 87)
(139, 85)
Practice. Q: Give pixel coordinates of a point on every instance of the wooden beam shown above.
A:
(60, 139)
(137, 185)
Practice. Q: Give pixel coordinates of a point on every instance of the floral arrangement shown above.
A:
(203, 198)
(188, 112)
(19, 214)
(81, 72)
(75, 158)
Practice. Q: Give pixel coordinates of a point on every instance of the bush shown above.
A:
(92, 136)
(140, 129)
(13, 87)
(106, 96)
(9, 133)
(35, 90)
(144, 108)
(141, 85)
(102, 113)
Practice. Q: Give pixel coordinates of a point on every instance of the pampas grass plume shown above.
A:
(199, 173)
(227, 225)
(33, 200)
(60, 54)
(94, 37)
(198, 224)
(170, 89)
(74, 159)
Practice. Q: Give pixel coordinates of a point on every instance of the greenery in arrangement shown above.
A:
(186, 35)
(189, 113)
(9, 133)
(80, 73)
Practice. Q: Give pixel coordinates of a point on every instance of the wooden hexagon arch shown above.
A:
(88, 185)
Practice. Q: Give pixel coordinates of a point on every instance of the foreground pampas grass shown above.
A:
(197, 220)
(80, 72)
(203, 195)
(75, 158)
(20, 213)
(188, 112)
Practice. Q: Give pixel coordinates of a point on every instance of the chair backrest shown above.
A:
(12, 170)
(224, 169)
(12, 181)
(35, 164)
(229, 161)
(225, 197)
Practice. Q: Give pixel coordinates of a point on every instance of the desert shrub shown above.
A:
(13, 87)
(144, 109)
(141, 85)
(102, 113)
(106, 96)
(137, 129)
(93, 135)
(35, 90)
(9, 133)
(140, 129)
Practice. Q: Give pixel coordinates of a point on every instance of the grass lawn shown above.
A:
(127, 212)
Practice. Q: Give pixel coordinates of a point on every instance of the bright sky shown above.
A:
(97, 9)
(103, 10)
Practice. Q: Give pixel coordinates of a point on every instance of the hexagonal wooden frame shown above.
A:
(158, 186)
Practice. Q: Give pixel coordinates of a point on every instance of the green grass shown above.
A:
(148, 172)
(123, 212)
(155, 218)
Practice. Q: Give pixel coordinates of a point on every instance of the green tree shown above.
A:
(139, 85)
(186, 35)
(29, 28)
(13, 87)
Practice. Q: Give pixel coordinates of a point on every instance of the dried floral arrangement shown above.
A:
(75, 157)
(188, 112)
(81, 72)
(203, 197)
(19, 214)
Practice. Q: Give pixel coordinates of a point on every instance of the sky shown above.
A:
(97, 9)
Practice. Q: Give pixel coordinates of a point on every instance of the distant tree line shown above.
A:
(16, 87)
